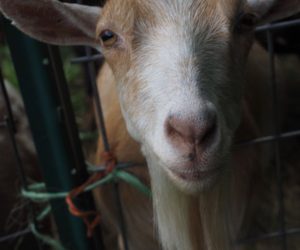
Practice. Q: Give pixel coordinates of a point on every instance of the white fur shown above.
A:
(189, 60)
(173, 81)
(187, 63)
(170, 76)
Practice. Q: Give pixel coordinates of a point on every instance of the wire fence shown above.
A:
(89, 58)
(9, 123)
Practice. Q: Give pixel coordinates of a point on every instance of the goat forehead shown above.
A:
(196, 20)
(189, 12)
(179, 56)
(176, 37)
(152, 12)
(186, 24)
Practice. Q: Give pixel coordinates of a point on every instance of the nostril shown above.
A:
(198, 131)
(208, 133)
(178, 129)
(173, 127)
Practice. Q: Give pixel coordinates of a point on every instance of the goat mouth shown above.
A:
(194, 175)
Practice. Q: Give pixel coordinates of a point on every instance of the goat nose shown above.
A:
(196, 131)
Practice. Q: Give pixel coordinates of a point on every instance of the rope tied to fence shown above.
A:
(110, 164)
(110, 173)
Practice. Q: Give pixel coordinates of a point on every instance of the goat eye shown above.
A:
(245, 22)
(108, 38)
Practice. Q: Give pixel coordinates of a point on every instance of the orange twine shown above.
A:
(109, 163)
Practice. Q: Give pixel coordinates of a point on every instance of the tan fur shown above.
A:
(137, 207)
(175, 56)
(254, 124)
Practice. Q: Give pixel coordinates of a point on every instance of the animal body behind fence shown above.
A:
(15, 210)
(179, 69)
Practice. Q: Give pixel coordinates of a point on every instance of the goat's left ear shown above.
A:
(54, 22)
(271, 10)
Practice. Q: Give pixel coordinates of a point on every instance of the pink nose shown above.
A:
(192, 133)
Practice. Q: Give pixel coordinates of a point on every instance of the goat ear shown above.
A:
(271, 10)
(53, 22)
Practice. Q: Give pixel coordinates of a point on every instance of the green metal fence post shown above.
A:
(44, 107)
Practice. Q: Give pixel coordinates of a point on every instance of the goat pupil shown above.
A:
(245, 22)
(248, 20)
(107, 35)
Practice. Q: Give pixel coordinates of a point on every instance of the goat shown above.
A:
(179, 69)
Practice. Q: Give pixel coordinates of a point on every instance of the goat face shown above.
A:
(178, 67)
(179, 82)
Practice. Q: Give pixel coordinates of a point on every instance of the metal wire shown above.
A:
(105, 141)
(269, 138)
(275, 139)
(268, 236)
(15, 235)
(120, 166)
(72, 131)
(277, 26)
(276, 144)
(90, 59)
(87, 59)
(11, 128)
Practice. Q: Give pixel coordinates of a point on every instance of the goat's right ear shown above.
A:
(272, 10)
(54, 22)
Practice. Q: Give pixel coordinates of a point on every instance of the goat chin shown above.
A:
(206, 212)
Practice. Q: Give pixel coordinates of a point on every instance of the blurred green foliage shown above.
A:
(7, 66)
(73, 73)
